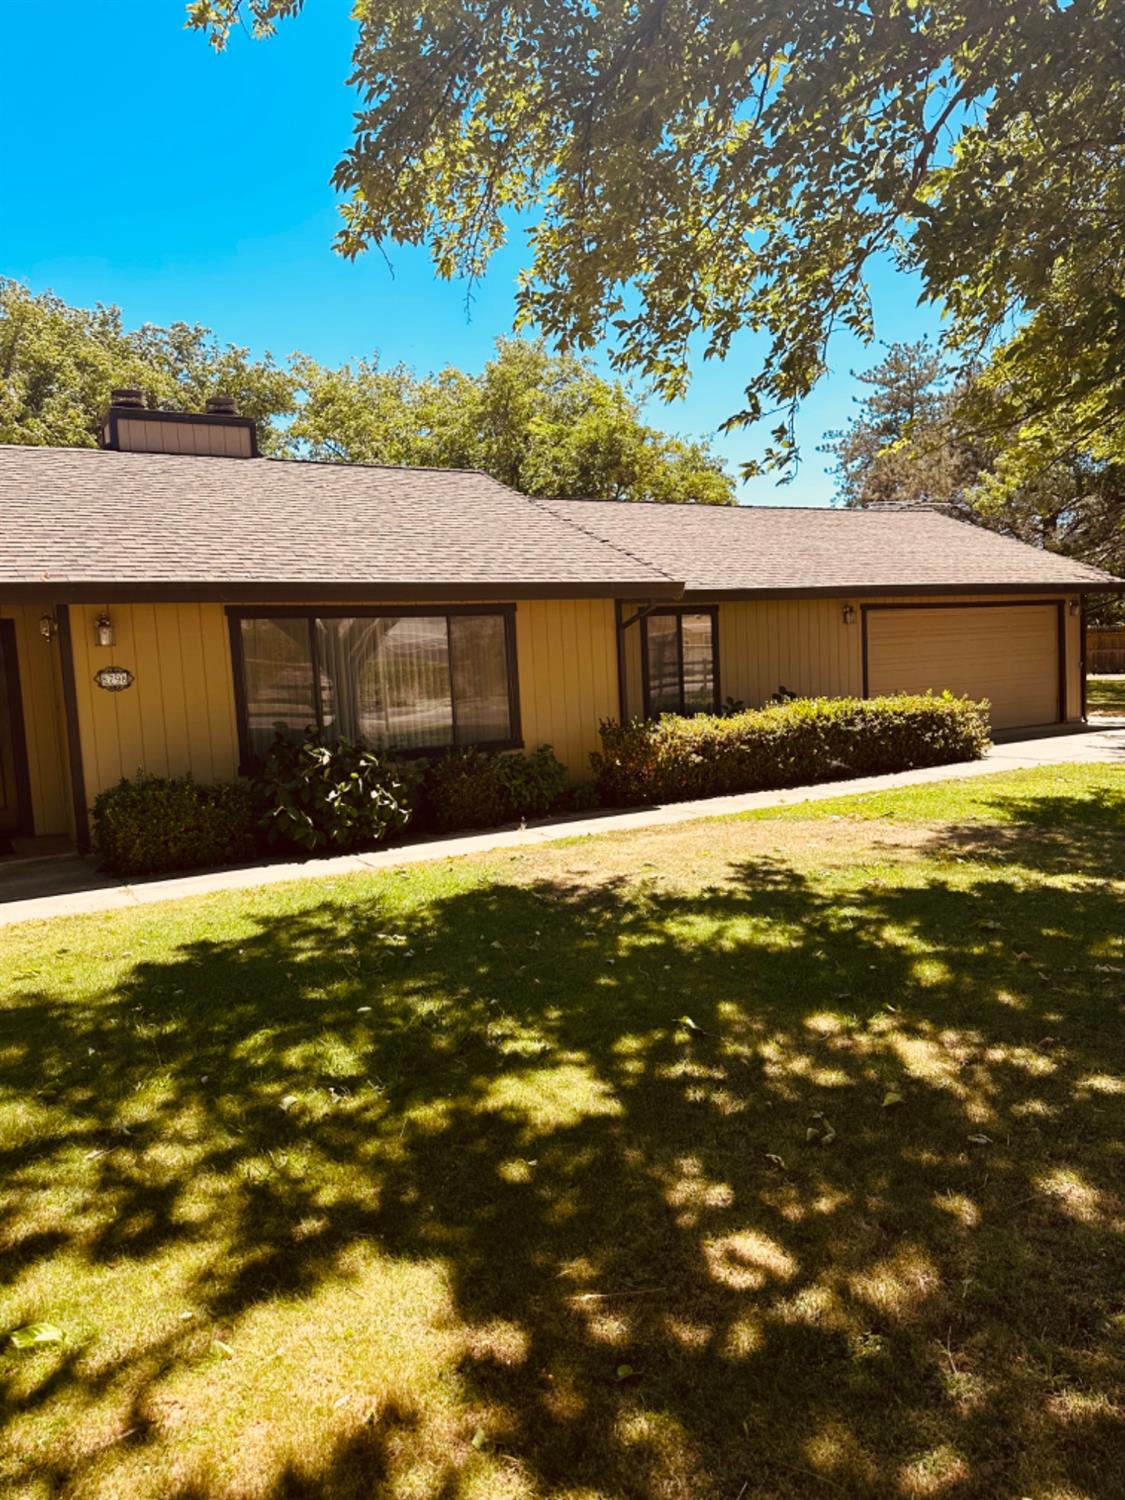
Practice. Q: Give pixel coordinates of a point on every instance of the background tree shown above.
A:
(911, 442)
(901, 447)
(698, 170)
(58, 365)
(545, 424)
(548, 425)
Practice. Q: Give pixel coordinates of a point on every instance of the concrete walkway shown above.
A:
(31, 890)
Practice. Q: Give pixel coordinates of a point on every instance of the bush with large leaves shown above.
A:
(312, 795)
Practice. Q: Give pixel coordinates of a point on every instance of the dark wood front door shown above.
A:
(15, 792)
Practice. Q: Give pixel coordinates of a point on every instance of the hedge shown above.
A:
(153, 824)
(788, 744)
(473, 788)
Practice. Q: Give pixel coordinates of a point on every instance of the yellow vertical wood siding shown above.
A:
(179, 714)
(44, 721)
(806, 646)
(800, 644)
(567, 651)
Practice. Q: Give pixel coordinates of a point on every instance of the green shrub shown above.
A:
(788, 744)
(153, 824)
(533, 783)
(311, 795)
(582, 796)
(474, 788)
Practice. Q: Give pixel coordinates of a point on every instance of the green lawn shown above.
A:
(1105, 695)
(765, 1157)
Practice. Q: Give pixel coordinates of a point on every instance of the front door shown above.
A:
(15, 793)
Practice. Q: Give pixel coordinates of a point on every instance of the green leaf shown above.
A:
(34, 1334)
(891, 1100)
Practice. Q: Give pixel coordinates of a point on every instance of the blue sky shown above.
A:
(141, 169)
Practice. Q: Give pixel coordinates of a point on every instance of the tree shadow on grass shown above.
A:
(534, 1162)
(1082, 836)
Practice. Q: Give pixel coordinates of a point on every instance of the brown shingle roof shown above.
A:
(83, 523)
(83, 516)
(760, 549)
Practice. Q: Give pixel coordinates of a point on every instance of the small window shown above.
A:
(401, 682)
(680, 674)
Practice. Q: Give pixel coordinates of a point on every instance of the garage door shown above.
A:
(1008, 654)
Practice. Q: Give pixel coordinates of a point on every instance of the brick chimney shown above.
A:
(129, 426)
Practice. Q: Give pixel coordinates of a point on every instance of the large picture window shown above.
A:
(404, 681)
(679, 661)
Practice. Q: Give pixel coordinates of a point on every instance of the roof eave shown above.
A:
(118, 591)
(887, 590)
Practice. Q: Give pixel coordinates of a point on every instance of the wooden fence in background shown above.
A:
(1105, 650)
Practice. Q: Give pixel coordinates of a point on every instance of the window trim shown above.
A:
(237, 613)
(678, 614)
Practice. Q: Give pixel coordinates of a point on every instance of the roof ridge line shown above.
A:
(644, 562)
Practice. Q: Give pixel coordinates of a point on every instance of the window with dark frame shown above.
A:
(411, 682)
(680, 662)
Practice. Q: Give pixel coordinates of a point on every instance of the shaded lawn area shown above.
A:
(424, 1184)
(1106, 695)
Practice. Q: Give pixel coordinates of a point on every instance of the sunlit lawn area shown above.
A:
(774, 1156)
(1106, 695)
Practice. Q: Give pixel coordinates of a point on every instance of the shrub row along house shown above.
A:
(169, 598)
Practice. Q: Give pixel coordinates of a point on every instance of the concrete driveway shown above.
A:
(32, 889)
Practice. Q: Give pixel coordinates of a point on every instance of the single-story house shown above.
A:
(168, 598)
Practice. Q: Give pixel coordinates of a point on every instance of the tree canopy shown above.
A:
(545, 424)
(695, 170)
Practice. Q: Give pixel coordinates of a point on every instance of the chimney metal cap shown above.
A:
(222, 406)
(129, 396)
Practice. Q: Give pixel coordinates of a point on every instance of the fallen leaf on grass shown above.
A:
(891, 1100)
(820, 1131)
(981, 1140)
(776, 1161)
(479, 1439)
(224, 1349)
(691, 1025)
(626, 1372)
(35, 1333)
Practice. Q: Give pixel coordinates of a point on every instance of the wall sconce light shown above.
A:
(104, 633)
(849, 614)
(1075, 607)
(48, 627)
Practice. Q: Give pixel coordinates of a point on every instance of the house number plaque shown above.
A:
(114, 679)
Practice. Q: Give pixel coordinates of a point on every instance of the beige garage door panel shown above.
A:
(1009, 655)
